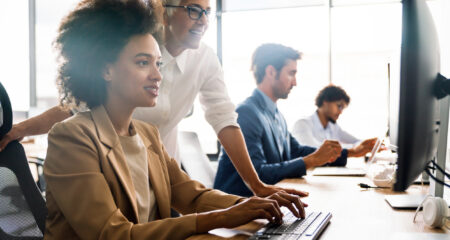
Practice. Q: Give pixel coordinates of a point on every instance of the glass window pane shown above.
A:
(14, 49)
(243, 32)
(361, 2)
(364, 40)
(238, 5)
(49, 14)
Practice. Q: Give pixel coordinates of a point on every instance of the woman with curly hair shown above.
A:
(108, 176)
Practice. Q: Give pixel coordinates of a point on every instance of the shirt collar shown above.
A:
(271, 106)
(317, 122)
(180, 60)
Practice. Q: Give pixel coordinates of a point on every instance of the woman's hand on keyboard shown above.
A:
(292, 202)
(245, 211)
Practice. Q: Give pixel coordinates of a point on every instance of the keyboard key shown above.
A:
(314, 226)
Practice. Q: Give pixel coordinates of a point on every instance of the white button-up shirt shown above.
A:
(194, 72)
(310, 132)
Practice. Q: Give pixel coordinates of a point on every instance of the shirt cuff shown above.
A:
(223, 124)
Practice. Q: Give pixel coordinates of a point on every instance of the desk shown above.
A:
(357, 213)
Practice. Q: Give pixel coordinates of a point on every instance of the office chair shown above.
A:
(22, 207)
(193, 160)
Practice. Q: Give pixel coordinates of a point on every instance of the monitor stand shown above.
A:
(423, 179)
(435, 189)
(404, 201)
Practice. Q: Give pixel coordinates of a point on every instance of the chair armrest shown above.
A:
(38, 161)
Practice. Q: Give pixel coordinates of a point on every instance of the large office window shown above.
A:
(364, 36)
(49, 14)
(14, 53)
(15, 57)
(363, 45)
(243, 32)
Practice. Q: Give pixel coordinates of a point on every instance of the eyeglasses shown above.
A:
(194, 12)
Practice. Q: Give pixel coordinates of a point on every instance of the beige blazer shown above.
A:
(90, 194)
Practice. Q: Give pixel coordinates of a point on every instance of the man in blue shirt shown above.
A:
(274, 152)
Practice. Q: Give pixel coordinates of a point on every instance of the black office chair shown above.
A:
(22, 207)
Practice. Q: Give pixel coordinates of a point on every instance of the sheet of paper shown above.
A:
(227, 233)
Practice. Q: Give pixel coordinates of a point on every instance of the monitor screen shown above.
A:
(415, 127)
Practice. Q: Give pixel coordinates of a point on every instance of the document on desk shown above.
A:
(228, 233)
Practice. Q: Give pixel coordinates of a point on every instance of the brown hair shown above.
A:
(271, 54)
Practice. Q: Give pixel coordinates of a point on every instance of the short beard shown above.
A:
(331, 120)
(280, 94)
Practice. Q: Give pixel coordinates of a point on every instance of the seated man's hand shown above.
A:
(14, 134)
(362, 148)
(328, 152)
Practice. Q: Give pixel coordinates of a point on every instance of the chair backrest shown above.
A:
(6, 112)
(194, 160)
(22, 207)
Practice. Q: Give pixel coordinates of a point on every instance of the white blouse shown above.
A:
(194, 72)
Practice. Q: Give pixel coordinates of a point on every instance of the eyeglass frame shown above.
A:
(189, 9)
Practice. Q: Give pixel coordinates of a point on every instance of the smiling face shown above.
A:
(182, 32)
(134, 78)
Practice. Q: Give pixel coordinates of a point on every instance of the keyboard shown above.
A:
(295, 228)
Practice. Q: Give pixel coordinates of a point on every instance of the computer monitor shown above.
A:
(418, 124)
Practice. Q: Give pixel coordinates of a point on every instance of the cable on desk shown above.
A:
(367, 186)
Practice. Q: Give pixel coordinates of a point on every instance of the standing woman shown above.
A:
(108, 176)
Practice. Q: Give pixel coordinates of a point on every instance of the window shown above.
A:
(291, 27)
(363, 44)
(364, 35)
(238, 46)
(14, 57)
(49, 14)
